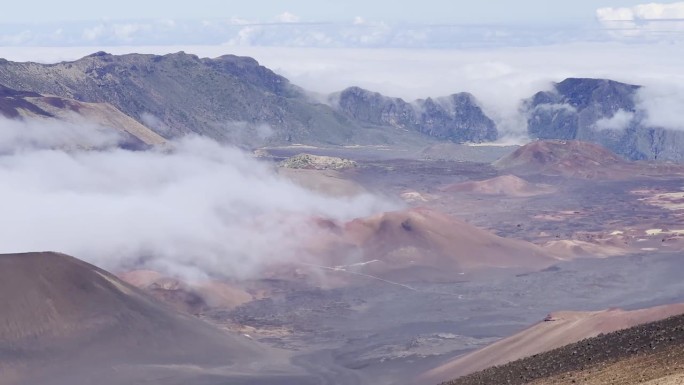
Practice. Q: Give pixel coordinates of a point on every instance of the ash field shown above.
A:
(600, 232)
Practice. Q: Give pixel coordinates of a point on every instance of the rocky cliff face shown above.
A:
(236, 100)
(601, 111)
(232, 99)
(456, 118)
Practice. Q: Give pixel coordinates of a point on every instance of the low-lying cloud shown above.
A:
(191, 208)
(27, 135)
(619, 121)
(661, 105)
(157, 125)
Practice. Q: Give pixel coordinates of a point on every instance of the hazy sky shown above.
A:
(452, 11)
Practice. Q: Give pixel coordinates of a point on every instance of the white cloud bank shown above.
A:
(662, 105)
(21, 136)
(191, 208)
(645, 12)
(620, 120)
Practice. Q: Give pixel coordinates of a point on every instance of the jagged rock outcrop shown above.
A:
(605, 112)
(457, 117)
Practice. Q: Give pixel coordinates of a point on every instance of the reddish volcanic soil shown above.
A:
(422, 245)
(190, 297)
(64, 321)
(558, 329)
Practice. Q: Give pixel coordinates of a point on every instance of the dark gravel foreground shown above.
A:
(638, 342)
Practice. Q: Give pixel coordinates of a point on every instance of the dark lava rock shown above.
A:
(575, 108)
(640, 341)
(457, 118)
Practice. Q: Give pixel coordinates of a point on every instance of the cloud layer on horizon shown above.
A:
(289, 30)
(498, 77)
(657, 22)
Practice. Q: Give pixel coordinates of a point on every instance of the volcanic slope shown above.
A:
(561, 157)
(577, 159)
(63, 321)
(648, 353)
(556, 330)
(421, 244)
(41, 111)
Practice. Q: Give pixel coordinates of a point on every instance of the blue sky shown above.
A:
(437, 24)
(350, 24)
(423, 11)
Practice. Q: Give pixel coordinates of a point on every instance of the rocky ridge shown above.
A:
(604, 112)
(231, 99)
(660, 341)
(457, 118)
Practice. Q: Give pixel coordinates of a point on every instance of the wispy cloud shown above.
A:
(287, 17)
(619, 121)
(192, 208)
(93, 33)
(661, 104)
(16, 38)
(37, 133)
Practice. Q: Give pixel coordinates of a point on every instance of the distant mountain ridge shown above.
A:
(236, 100)
(233, 100)
(456, 118)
